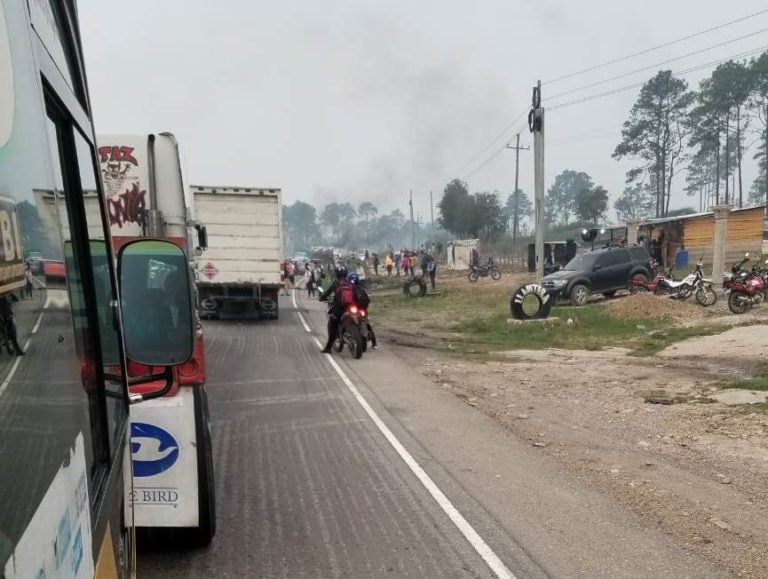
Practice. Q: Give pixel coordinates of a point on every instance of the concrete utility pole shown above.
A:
(515, 218)
(413, 224)
(536, 125)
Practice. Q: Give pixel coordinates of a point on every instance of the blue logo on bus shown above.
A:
(153, 449)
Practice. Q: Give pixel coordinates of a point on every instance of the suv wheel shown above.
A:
(579, 294)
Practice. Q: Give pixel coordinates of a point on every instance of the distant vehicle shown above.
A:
(603, 271)
(34, 259)
(240, 270)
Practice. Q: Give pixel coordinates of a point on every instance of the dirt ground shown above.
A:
(692, 466)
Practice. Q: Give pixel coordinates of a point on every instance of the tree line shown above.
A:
(705, 132)
(348, 226)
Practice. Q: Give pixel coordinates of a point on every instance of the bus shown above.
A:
(68, 340)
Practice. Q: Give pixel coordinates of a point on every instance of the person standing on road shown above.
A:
(376, 264)
(291, 271)
(398, 261)
(337, 306)
(424, 261)
(9, 326)
(309, 277)
(284, 276)
(389, 263)
(432, 271)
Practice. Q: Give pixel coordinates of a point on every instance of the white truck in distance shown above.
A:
(239, 273)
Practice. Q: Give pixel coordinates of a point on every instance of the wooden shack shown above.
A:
(696, 235)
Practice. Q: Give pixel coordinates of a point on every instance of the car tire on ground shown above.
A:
(579, 294)
(531, 289)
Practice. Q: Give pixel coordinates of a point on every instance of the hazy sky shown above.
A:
(353, 100)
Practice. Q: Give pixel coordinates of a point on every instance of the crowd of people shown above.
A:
(409, 262)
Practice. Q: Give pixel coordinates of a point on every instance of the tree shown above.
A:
(366, 210)
(561, 196)
(758, 103)
(299, 223)
(635, 202)
(488, 215)
(330, 217)
(654, 134)
(524, 206)
(456, 208)
(591, 204)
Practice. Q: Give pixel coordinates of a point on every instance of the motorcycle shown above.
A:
(656, 285)
(353, 331)
(693, 283)
(485, 270)
(745, 289)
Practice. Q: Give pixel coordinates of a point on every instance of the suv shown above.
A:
(600, 271)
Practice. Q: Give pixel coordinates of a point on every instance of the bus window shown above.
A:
(106, 298)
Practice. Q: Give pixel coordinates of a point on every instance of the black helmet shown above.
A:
(341, 272)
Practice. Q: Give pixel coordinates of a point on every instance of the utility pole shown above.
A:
(517, 149)
(536, 125)
(413, 224)
(431, 218)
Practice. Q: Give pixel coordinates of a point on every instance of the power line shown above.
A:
(495, 154)
(626, 74)
(657, 47)
(639, 84)
(503, 132)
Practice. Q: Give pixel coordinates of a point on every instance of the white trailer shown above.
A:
(239, 272)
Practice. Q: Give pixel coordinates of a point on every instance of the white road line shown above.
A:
(482, 548)
(15, 367)
(37, 323)
(303, 321)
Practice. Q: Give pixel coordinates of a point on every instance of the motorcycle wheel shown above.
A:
(338, 344)
(495, 274)
(684, 293)
(706, 296)
(738, 302)
(354, 341)
(472, 276)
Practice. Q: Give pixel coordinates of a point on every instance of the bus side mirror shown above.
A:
(202, 236)
(156, 303)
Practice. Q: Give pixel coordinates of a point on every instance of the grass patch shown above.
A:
(480, 319)
(759, 383)
(592, 328)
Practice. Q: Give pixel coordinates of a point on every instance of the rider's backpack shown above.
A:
(346, 293)
(361, 296)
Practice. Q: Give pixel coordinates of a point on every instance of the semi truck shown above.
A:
(239, 273)
(145, 198)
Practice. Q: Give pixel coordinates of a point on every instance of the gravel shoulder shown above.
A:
(690, 466)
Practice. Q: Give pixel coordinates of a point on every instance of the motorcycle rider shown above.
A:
(337, 308)
(362, 300)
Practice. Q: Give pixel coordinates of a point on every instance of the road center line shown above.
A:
(301, 318)
(480, 546)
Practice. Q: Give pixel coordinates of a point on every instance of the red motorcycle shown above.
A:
(745, 289)
(656, 285)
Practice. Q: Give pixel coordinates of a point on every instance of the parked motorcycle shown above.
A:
(692, 284)
(656, 285)
(484, 270)
(745, 288)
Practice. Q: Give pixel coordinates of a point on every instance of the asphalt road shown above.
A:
(369, 469)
